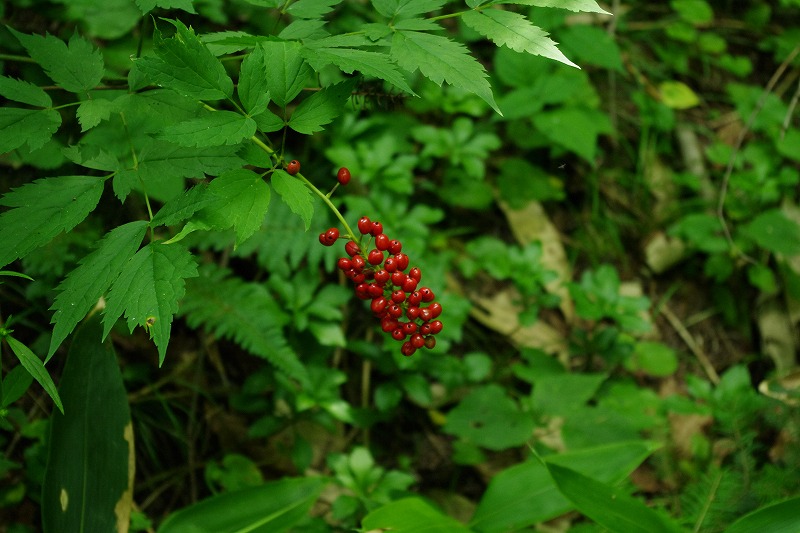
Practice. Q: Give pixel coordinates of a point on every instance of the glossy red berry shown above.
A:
(375, 257)
(430, 342)
(412, 313)
(351, 248)
(390, 265)
(409, 284)
(395, 311)
(398, 334)
(402, 261)
(414, 298)
(425, 328)
(358, 263)
(377, 229)
(375, 290)
(436, 309)
(436, 327)
(333, 234)
(344, 264)
(425, 314)
(415, 273)
(293, 167)
(364, 225)
(323, 240)
(382, 276)
(408, 349)
(378, 304)
(381, 242)
(343, 176)
(398, 278)
(409, 328)
(427, 294)
(398, 296)
(417, 340)
(395, 246)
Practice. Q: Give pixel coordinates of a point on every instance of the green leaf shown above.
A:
(589, 6)
(77, 68)
(441, 59)
(269, 121)
(411, 515)
(609, 507)
(42, 210)
(321, 107)
(184, 64)
(398, 9)
(312, 9)
(245, 313)
(574, 128)
(677, 95)
(274, 507)
(109, 20)
(88, 483)
(773, 231)
(349, 60)
(91, 156)
(783, 517)
(22, 91)
(516, 32)
(252, 88)
(183, 207)
(287, 68)
(84, 286)
(14, 385)
(148, 289)
(32, 126)
(295, 194)
(240, 199)
(91, 112)
(148, 5)
(35, 368)
(214, 129)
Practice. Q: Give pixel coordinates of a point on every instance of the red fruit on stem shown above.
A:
(415, 273)
(414, 298)
(333, 234)
(358, 263)
(430, 342)
(377, 229)
(323, 240)
(293, 167)
(364, 225)
(409, 328)
(427, 294)
(417, 340)
(436, 309)
(343, 176)
(381, 242)
(412, 313)
(395, 246)
(395, 311)
(375, 290)
(398, 278)
(375, 257)
(378, 304)
(351, 248)
(410, 284)
(397, 334)
(398, 296)
(390, 265)
(408, 349)
(344, 264)
(425, 314)
(382, 276)
(425, 328)
(436, 327)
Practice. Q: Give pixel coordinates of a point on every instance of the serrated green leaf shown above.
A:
(514, 31)
(773, 231)
(186, 65)
(77, 68)
(441, 59)
(417, 25)
(243, 312)
(109, 20)
(252, 88)
(32, 126)
(217, 128)
(288, 70)
(148, 290)
(183, 207)
(321, 107)
(91, 112)
(22, 91)
(348, 60)
(312, 9)
(42, 210)
(269, 121)
(35, 368)
(589, 6)
(84, 286)
(148, 5)
(295, 194)
(301, 29)
(406, 8)
(228, 42)
(91, 157)
(240, 199)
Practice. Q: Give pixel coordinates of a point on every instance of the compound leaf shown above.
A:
(42, 210)
(214, 129)
(295, 194)
(32, 126)
(441, 59)
(312, 9)
(22, 91)
(91, 112)
(321, 107)
(252, 88)
(349, 60)
(148, 289)
(589, 6)
(287, 68)
(77, 68)
(186, 65)
(35, 368)
(84, 286)
(183, 207)
(399, 9)
(506, 28)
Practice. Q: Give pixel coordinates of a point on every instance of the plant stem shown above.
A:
(329, 204)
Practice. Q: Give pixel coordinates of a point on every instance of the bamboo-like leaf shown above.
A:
(35, 368)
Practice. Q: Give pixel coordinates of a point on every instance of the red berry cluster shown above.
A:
(406, 311)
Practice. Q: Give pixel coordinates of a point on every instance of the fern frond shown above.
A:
(713, 501)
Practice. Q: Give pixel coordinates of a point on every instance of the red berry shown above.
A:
(398, 278)
(408, 349)
(409, 284)
(425, 328)
(382, 276)
(362, 291)
(409, 328)
(436, 327)
(343, 176)
(395, 311)
(436, 309)
(377, 229)
(333, 234)
(359, 277)
(398, 296)
(375, 257)
(358, 263)
(427, 294)
(381, 242)
(412, 313)
(417, 340)
(398, 334)
(323, 240)
(293, 167)
(415, 273)
(375, 290)
(364, 225)
(388, 324)
(425, 314)
(402, 261)
(414, 298)
(390, 265)
(395, 246)
(344, 264)
(351, 248)
(430, 342)
(378, 304)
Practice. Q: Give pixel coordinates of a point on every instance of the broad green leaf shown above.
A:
(274, 507)
(525, 494)
(773, 231)
(42, 210)
(14, 385)
(349, 60)
(23, 91)
(574, 128)
(84, 286)
(312, 9)
(88, 483)
(148, 5)
(243, 312)
(269, 121)
(109, 20)
(406, 8)
(148, 289)
(91, 112)
(295, 194)
(288, 71)
(589, 6)
(240, 199)
(783, 517)
(77, 68)
(677, 95)
(789, 145)
(515, 31)
(183, 206)
(35, 368)
(229, 42)
(301, 29)
(184, 64)
(592, 45)
(411, 515)
(214, 129)
(321, 107)
(441, 59)
(252, 88)
(609, 507)
(91, 156)
(32, 126)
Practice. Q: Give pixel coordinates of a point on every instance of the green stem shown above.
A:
(12, 57)
(332, 207)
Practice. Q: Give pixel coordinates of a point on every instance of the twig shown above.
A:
(788, 118)
(684, 334)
